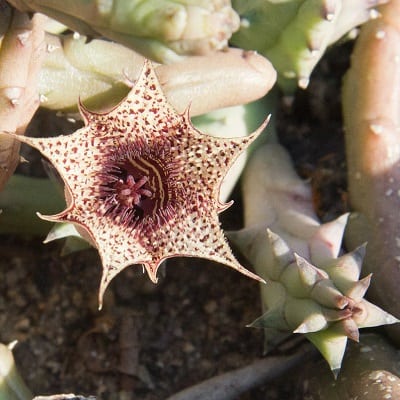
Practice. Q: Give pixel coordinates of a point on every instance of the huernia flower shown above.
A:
(143, 183)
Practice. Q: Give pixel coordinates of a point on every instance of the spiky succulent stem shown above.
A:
(310, 288)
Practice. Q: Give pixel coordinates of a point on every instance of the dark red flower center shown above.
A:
(139, 188)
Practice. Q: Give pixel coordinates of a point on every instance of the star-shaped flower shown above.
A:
(143, 183)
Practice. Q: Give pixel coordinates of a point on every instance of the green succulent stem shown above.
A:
(295, 34)
(21, 199)
(12, 387)
(164, 31)
(75, 68)
(311, 289)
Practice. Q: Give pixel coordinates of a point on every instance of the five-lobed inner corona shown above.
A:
(131, 193)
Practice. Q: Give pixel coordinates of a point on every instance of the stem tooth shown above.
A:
(329, 9)
(13, 94)
(24, 36)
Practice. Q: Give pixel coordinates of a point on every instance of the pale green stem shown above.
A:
(12, 387)
(21, 199)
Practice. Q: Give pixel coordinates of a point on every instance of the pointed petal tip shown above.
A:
(102, 289)
(361, 249)
(154, 280)
(263, 281)
(264, 321)
(152, 272)
(253, 276)
(314, 322)
(254, 135)
(272, 319)
(278, 244)
(224, 206)
(238, 267)
(51, 218)
(264, 124)
(266, 121)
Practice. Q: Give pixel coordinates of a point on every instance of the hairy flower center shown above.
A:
(139, 189)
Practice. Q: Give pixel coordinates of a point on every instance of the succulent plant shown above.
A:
(161, 30)
(310, 288)
(294, 34)
(324, 303)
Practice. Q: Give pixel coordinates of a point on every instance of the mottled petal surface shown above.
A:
(143, 183)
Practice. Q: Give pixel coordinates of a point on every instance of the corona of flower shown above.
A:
(143, 183)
